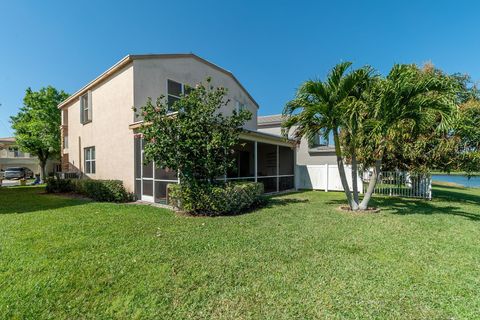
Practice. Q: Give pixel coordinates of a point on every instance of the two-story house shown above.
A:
(11, 156)
(99, 126)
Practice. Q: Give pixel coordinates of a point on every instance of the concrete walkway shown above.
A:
(10, 183)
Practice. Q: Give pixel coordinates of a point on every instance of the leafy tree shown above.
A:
(334, 105)
(467, 132)
(37, 124)
(192, 137)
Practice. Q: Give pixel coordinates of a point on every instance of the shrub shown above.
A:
(59, 185)
(98, 190)
(103, 190)
(213, 200)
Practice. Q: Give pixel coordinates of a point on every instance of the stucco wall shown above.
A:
(151, 77)
(304, 155)
(108, 132)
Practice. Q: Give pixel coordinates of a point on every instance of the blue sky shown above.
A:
(271, 46)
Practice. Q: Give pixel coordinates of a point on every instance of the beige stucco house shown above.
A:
(99, 126)
(12, 156)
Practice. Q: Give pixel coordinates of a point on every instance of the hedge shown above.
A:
(214, 200)
(98, 190)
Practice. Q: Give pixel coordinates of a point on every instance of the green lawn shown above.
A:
(299, 258)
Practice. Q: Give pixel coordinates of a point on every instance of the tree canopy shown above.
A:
(37, 124)
(192, 136)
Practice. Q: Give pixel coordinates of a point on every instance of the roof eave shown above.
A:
(129, 58)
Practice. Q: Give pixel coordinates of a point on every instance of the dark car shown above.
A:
(18, 173)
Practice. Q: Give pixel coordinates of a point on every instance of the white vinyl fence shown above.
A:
(324, 177)
(402, 184)
(390, 183)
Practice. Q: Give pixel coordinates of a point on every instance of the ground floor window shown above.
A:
(89, 157)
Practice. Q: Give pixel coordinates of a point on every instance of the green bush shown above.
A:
(98, 190)
(213, 200)
(59, 185)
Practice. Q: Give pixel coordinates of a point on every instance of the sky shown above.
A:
(270, 46)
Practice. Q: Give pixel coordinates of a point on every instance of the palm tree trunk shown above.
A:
(371, 185)
(354, 175)
(341, 170)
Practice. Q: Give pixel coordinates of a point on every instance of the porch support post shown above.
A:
(255, 156)
(278, 169)
(295, 170)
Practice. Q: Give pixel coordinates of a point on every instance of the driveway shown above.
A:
(10, 183)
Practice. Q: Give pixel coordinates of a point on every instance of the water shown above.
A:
(473, 182)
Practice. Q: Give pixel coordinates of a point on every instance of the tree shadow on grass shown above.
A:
(282, 199)
(16, 200)
(458, 194)
(282, 202)
(448, 195)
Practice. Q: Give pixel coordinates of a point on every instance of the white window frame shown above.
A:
(90, 160)
(88, 98)
(182, 89)
(318, 138)
(240, 106)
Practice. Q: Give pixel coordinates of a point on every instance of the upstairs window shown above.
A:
(319, 140)
(90, 167)
(240, 106)
(86, 107)
(174, 91)
(16, 153)
(65, 117)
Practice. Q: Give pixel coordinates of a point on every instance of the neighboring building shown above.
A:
(99, 127)
(316, 162)
(11, 156)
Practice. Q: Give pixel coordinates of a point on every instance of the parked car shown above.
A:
(18, 173)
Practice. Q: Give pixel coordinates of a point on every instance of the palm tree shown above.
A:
(400, 106)
(373, 115)
(321, 106)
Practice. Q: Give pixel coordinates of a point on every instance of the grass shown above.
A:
(298, 258)
(456, 173)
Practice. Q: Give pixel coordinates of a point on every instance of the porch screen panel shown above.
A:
(266, 160)
(165, 174)
(244, 156)
(161, 191)
(269, 184)
(138, 157)
(286, 183)
(147, 169)
(138, 188)
(286, 161)
(147, 187)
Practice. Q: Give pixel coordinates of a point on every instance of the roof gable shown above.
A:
(130, 58)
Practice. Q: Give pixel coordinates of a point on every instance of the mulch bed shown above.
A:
(369, 210)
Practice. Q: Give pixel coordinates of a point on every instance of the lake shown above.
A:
(473, 182)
